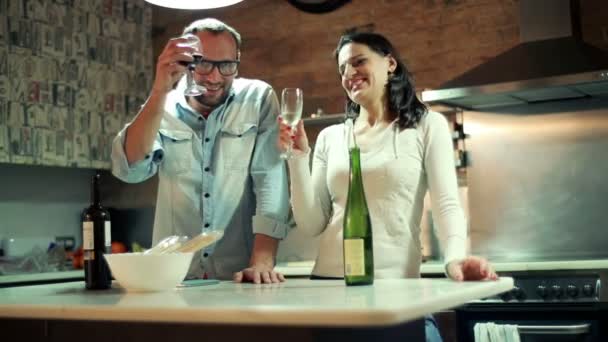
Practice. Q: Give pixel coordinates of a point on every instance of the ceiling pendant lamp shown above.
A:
(193, 4)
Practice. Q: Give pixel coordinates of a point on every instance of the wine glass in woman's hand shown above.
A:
(291, 113)
(191, 40)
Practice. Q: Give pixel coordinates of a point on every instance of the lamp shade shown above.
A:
(193, 4)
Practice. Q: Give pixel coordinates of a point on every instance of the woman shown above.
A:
(405, 151)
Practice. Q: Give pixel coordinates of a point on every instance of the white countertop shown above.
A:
(295, 268)
(299, 302)
(435, 267)
(304, 268)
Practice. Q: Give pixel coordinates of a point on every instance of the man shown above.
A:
(215, 155)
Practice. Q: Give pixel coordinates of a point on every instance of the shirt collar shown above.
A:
(186, 112)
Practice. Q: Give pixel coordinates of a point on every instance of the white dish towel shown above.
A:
(491, 332)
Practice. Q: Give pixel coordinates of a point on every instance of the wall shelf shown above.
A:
(326, 119)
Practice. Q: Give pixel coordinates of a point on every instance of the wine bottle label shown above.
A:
(88, 255)
(108, 233)
(88, 237)
(354, 257)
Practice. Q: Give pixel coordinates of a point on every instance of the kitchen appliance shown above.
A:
(536, 181)
(536, 124)
(552, 62)
(536, 195)
(545, 305)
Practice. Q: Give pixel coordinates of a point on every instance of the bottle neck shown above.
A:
(356, 193)
(95, 200)
(355, 162)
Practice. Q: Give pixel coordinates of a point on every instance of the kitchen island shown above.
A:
(297, 310)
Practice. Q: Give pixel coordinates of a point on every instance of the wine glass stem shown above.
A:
(189, 79)
(290, 147)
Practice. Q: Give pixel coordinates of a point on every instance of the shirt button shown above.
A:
(205, 255)
(207, 195)
(207, 139)
(207, 169)
(207, 225)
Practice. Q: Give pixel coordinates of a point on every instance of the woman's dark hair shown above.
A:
(402, 99)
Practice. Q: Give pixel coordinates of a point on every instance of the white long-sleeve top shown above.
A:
(398, 167)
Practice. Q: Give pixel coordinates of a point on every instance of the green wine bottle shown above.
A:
(358, 248)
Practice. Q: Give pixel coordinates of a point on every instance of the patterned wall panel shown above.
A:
(72, 73)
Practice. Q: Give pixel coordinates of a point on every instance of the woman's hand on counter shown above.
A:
(471, 268)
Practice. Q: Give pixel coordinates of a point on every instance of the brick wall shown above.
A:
(594, 22)
(439, 39)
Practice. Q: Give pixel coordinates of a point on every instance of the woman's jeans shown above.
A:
(431, 330)
(430, 325)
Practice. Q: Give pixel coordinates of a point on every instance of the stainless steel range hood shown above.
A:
(551, 63)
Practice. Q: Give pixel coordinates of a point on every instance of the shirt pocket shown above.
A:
(178, 150)
(236, 144)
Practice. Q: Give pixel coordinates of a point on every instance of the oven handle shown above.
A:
(576, 329)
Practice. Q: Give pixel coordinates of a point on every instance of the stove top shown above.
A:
(548, 288)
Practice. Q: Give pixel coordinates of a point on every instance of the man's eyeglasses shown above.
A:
(226, 68)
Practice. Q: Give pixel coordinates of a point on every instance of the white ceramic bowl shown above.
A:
(149, 272)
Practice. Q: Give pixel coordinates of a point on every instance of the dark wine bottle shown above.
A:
(96, 240)
(358, 247)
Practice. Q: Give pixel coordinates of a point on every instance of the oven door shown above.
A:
(534, 324)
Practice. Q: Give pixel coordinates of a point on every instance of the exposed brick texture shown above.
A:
(594, 22)
(439, 39)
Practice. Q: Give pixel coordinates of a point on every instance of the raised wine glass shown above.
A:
(191, 40)
(291, 113)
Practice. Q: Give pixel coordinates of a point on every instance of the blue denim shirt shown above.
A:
(223, 172)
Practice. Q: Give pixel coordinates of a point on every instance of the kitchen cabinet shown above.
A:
(297, 310)
(315, 125)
